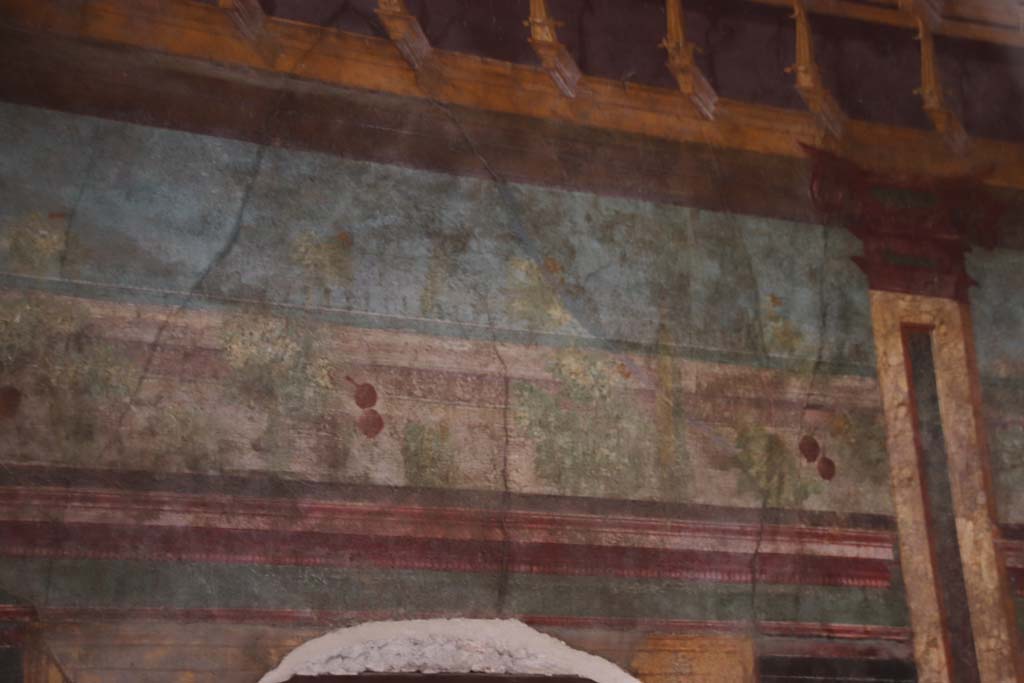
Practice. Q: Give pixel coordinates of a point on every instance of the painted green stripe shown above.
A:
(143, 584)
(666, 599)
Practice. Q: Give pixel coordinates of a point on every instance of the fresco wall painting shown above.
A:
(269, 391)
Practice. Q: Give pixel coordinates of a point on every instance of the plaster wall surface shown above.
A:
(196, 309)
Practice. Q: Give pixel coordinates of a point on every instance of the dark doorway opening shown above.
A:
(834, 670)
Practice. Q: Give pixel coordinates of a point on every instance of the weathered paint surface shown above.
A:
(998, 318)
(215, 295)
(185, 305)
(986, 594)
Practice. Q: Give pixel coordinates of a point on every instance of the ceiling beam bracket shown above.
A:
(928, 11)
(553, 56)
(681, 63)
(829, 115)
(405, 32)
(251, 21)
(943, 119)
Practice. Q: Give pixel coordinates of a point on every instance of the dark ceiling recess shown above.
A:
(871, 69)
(984, 85)
(616, 40)
(745, 49)
(485, 28)
(354, 16)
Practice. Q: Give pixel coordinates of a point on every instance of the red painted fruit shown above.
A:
(370, 423)
(826, 468)
(810, 448)
(366, 395)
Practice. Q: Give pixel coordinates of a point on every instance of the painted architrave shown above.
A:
(988, 595)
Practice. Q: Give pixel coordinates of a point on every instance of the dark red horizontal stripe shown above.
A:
(783, 629)
(298, 494)
(15, 612)
(293, 515)
(205, 544)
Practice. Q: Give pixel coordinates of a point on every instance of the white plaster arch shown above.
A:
(498, 646)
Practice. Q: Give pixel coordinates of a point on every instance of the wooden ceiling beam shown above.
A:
(973, 24)
(250, 20)
(248, 16)
(995, 12)
(405, 32)
(927, 12)
(207, 34)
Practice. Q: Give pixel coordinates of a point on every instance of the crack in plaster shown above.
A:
(73, 213)
(504, 574)
(236, 228)
(755, 557)
(506, 537)
(510, 205)
(217, 259)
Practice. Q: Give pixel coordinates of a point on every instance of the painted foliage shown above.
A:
(197, 304)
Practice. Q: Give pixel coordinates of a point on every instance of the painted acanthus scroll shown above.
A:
(682, 65)
(405, 32)
(556, 59)
(808, 78)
